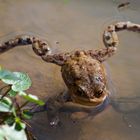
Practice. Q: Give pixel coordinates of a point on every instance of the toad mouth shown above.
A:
(89, 101)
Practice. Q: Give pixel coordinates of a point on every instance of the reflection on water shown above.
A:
(77, 25)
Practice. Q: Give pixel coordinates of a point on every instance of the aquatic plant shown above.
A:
(13, 114)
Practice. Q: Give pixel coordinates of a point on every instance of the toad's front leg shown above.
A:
(39, 46)
(48, 55)
(111, 41)
(102, 54)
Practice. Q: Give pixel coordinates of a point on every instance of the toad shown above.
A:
(82, 71)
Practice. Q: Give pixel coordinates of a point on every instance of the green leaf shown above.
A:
(10, 120)
(27, 114)
(5, 105)
(10, 133)
(14, 111)
(19, 81)
(4, 73)
(6, 100)
(8, 77)
(34, 99)
(31, 98)
(12, 93)
(22, 93)
(4, 108)
(23, 84)
(19, 125)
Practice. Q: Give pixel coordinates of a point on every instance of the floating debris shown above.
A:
(123, 5)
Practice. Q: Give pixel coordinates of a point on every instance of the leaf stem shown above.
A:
(5, 92)
(4, 87)
(24, 104)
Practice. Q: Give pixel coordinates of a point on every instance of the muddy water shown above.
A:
(77, 25)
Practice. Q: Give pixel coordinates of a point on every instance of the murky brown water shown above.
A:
(77, 25)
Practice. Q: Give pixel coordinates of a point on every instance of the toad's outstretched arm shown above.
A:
(17, 41)
(40, 47)
(25, 40)
(111, 41)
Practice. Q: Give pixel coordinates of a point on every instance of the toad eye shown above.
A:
(80, 92)
(98, 93)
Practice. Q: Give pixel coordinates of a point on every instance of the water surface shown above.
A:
(77, 24)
